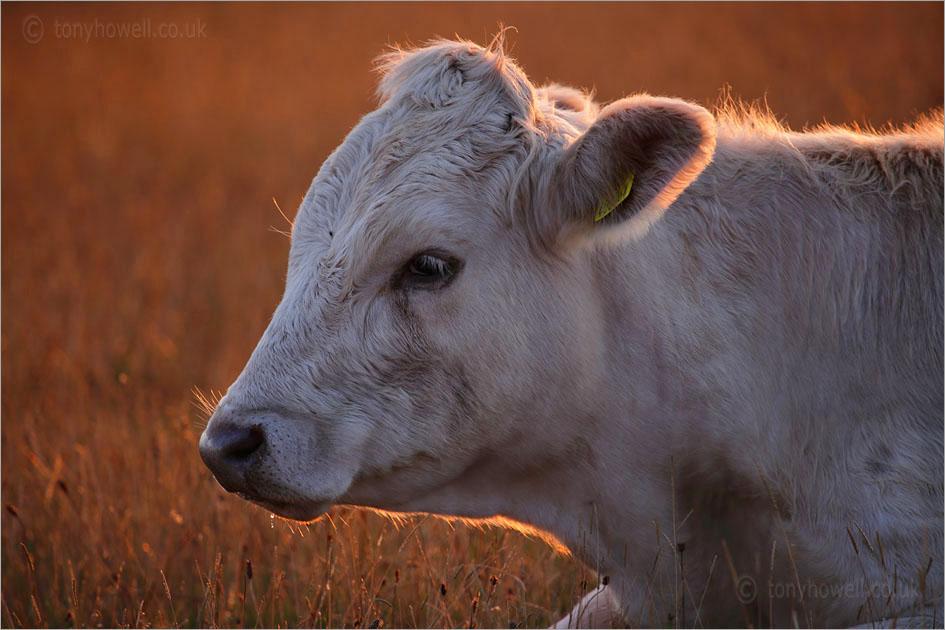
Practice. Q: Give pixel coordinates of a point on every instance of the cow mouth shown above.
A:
(302, 511)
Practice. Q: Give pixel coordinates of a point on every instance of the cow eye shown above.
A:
(427, 266)
(429, 270)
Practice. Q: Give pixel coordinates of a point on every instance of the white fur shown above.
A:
(749, 393)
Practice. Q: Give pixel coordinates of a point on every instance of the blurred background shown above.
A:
(138, 262)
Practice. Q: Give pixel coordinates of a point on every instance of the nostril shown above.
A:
(242, 445)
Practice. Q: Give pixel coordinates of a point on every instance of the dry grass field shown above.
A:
(138, 263)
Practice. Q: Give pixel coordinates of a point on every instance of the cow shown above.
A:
(701, 351)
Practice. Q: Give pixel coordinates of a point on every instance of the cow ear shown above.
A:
(621, 174)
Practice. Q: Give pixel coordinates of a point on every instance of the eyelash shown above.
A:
(427, 265)
(428, 271)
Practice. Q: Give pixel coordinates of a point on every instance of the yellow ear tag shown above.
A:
(604, 208)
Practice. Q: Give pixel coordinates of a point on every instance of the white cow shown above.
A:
(732, 410)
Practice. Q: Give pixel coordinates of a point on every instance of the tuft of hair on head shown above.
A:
(444, 72)
(497, 45)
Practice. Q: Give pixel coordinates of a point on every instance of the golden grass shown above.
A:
(137, 264)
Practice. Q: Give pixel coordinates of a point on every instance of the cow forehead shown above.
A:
(378, 200)
(408, 177)
(457, 127)
(407, 172)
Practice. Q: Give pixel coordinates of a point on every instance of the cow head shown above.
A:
(441, 325)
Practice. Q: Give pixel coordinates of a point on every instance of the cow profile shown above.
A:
(694, 348)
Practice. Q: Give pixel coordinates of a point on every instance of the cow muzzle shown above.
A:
(264, 456)
(230, 450)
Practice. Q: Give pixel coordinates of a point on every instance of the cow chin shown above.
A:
(414, 484)
(303, 511)
(294, 494)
